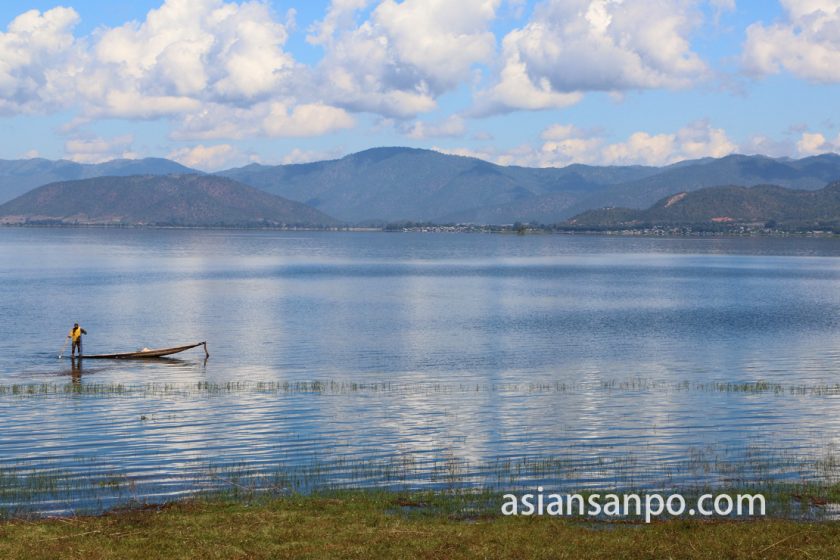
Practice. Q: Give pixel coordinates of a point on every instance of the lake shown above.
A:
(413, 360)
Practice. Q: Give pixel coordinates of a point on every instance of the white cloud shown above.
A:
(696, 140)
(567, 143)
(215, 121)
(561, 132)
(272, 119)
(806, 44)
(312, 119)
(572, 46)
(216, 69)
(449, 127)
(764, 145)
(206, 158)
(340, 15)
(39, 58)
(129, 104)
(306, 156)
(185, 53)
(515, 89)
(564, 144)
(569, 150)
(405, 55)
(699, 139)
(641, 148)
(219, 70)
(813, 143)
(97, 150)
(439, 38)
(514, 156)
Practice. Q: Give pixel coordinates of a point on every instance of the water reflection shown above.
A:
(76, 370)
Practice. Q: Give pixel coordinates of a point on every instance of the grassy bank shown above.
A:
(384, 525)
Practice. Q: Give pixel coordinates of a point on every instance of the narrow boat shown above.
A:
(145, 353)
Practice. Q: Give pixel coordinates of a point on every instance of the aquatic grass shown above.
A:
(796, 486)
(334, 387)
(90, 486)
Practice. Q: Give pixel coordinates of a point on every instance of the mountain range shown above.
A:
(403, 184)
(388, 185)
(727, 206)
(396, 184)
(169, 200)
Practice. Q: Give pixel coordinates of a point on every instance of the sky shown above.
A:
(215, 84)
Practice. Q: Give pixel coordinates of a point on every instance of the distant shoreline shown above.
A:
(648, 232)
(178, 227)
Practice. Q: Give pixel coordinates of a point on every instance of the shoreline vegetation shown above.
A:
(794, 487)
(377, 524)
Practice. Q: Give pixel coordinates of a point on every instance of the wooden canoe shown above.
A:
(143, 354)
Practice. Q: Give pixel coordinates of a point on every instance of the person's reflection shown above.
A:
(76, 371)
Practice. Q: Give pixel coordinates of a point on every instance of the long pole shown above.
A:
(60, 352)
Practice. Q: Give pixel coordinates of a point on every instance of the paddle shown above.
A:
(60, 352)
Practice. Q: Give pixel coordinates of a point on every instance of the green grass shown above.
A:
(358, 524)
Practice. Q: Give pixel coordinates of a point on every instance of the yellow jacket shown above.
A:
(76, 333)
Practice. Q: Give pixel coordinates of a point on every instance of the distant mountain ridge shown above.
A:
(394, 184)
(771, 205)
(170, 200)
(407, 184)
(20, 176)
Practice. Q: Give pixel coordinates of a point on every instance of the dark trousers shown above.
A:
(76, 344)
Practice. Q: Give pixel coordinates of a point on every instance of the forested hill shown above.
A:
(176, 200)
(22, 175)
(768, 205)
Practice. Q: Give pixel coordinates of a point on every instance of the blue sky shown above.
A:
(215, 84)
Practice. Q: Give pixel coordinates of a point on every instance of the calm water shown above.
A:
(414, 360)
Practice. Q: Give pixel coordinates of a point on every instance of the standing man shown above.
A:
(76, 337)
